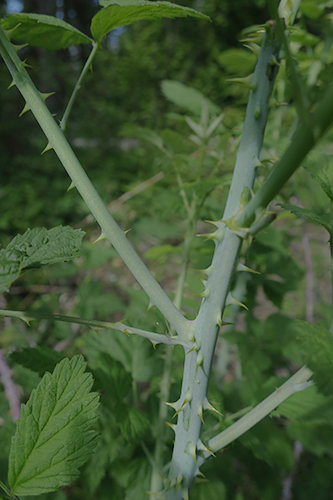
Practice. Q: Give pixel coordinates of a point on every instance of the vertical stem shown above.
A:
(207, 324)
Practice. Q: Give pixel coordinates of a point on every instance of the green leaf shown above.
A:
(312, 216)
(309, 405)
(53, 436)
(39, 359)
(324, 183)
(39, 30)
(160, 250)
(145, 134)
(187, 97)
(123, 12)
(133, 423)
(38, 247)
(316, 344)
(237, 61)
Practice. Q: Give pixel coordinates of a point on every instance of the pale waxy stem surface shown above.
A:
(209, 319)
(110, 228)
(298, 382)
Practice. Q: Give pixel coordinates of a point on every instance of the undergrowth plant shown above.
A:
(127, 451)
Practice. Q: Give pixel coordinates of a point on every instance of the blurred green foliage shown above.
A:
(121, 99)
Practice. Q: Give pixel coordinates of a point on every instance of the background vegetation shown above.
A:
(287, 456)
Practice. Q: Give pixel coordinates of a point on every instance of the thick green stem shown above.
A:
(307, 135)
(110, 228)
(63, 122)
(198, 363)
(297, 382)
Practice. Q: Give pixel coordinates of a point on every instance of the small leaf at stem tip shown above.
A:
(231, 300)
(25, 109)
(241, 267)
(101, 237)
(47, 148)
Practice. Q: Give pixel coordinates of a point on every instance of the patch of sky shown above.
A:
(113, 38)
(14, 6)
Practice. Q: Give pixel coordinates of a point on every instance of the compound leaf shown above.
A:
(39, 30)
(53, 436)
(123, 12)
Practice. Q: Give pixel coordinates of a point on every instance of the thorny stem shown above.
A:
(155, 338)
(63, 122)
(110, 228)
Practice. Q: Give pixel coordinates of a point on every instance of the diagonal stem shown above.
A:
(110, 228)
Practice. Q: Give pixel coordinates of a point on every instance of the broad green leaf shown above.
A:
(133, 423)
(39, 359)
(187, 97)
(321, 178)
(37, 247)
(123, 12)
(53, 433)
(312, 216)
(39, 30)
(9, 271)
